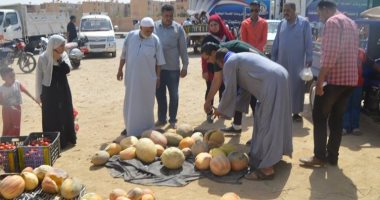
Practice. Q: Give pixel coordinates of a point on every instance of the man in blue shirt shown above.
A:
(173, 42)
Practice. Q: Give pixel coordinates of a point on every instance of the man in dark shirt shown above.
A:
(71, 29)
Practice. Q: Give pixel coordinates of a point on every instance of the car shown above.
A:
(100, 33)
(272, 31)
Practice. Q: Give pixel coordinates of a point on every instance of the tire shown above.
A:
(27, 62)
(312, 94)
(113, 54)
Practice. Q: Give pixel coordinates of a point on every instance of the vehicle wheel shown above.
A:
(27, 62)
(312, 94)
(113, 54)
(75, 64)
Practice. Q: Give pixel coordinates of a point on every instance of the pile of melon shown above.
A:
(174, 146)
(51, 180)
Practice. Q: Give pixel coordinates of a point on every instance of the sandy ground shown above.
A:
(98, 96)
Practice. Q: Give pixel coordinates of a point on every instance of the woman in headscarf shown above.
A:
(219, 34)
(53, 91)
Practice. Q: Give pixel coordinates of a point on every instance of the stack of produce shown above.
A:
(52, 180)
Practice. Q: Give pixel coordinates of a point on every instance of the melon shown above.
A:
(160, 149)
(147, 197)
(115, 193)
(135, 194)
(186, 142)
(146, 150)
(100, 158)
(156, 137)
(128, 153)
(187, 152)
(41, 171)
(239, 161)
(172, 158)
(71, 188)
(12, 186)
(202, 161)
(185, 130)
(214, 139)
(113, 149)
(173, 138)
(217, 152)
(220, 165)
(228, 148)
(199, 147)
(230, 196)
(128, 142)
(48, 185)
(31, 180)
(197, 136)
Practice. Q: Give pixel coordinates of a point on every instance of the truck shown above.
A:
(17, 23)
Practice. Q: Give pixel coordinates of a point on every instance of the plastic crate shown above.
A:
(9, 157)
(34, 156)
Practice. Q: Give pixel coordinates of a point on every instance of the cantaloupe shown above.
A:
(228, 148)
(202, 161)
(187, 152)
(160, 150)
(135, 194)
(220, 165)
(197, 136)
(230, 196)
(12, 186)
(239, 161)
(71, 188)
(186, 142)
(146, 150)
(214, 139)
(129, 141)
(173, 138)
(128, 153)
(172, 158)
(185, 130)
(199, 147)
(216, 152)
(113, 149)
(100, 158)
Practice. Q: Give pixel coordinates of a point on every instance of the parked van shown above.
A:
(100, 33)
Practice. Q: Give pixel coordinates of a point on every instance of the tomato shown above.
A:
(2, 147)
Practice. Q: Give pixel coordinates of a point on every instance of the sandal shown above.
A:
(258, 175)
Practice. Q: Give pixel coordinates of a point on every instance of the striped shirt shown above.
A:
(340, 45)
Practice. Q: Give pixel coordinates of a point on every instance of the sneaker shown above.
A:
(231, 129)
(297, 118)
(159, 123)
(344, 132)
(356, 131)
(172, 125)
(210, 119)
(124, 132)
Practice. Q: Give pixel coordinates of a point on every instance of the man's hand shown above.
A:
(309, 63)
(319, 89)
(207, 107)
(218, 114)
(119, 75)
(205, 76)
(157, 83)
(183, 73)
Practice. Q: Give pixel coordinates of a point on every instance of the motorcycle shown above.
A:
(75, 50)
(16, 49)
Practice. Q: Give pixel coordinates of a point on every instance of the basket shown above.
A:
(9, 157)
(34, 156)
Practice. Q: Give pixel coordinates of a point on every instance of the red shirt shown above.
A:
(254, 34)
(340, 44)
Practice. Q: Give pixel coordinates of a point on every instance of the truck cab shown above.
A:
(10, 24)
(100, 33)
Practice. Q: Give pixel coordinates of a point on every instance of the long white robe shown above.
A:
(268, 82)
(142, 56)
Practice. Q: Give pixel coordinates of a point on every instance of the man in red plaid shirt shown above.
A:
(337, 79)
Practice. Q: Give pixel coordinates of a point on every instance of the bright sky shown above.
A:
(6, 2)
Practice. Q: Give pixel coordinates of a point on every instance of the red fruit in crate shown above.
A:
(2, 147)
(45, 144)
(46, 140)
(2, 144)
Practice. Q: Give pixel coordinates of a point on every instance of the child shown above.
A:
(10, 99)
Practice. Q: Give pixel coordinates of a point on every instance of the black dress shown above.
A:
(57, 106)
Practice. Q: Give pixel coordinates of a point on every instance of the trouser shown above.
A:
(352, 115)
(168, 79)
(329, 107)
(239, 115)
(221, 89)
(11, 120)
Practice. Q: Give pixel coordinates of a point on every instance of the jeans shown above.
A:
(329, 107)
(169, 79)
(239, 116)
(352, 115)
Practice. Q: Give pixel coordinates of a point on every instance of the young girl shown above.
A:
(10, 99)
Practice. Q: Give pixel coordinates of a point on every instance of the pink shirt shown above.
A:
(340, 44)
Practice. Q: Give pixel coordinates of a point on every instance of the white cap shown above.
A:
(147, 22)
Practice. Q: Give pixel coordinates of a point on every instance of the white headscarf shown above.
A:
(54, 42)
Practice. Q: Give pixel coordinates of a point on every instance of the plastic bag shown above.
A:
(306, 74)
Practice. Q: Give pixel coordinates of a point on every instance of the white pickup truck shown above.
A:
(17, 23)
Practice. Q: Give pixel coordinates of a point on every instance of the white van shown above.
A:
(100, 33)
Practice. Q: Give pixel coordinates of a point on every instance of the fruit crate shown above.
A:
(9, 157)
(34, 156)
